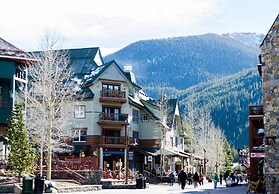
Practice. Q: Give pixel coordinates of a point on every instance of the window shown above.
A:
(171, 141)
(135, 116)
(111, 87)
(176, 141)
(111, 113)
(174, 124)
(136, 137)
(145, 118)
(79, 134)
(80, 111)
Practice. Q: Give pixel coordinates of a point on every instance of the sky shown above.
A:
(114, 24)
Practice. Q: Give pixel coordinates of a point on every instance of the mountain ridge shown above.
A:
(221, 69)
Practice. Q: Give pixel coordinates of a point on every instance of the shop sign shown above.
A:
(257, 155)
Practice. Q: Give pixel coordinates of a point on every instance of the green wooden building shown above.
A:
(13, 78)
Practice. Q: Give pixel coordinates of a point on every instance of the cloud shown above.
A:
(107, 23)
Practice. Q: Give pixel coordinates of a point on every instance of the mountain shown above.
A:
(228, 99)
(186, 61)
(218, 69)
(252, 39)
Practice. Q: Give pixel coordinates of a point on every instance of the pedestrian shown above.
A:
(182, 177)
(201, 179)
(171, 178)
(233, 177)
(215, 179)
(196, 179)
(221, 178)
(226, 175)
(190, 178)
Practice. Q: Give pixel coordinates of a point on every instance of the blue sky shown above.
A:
(114, 24)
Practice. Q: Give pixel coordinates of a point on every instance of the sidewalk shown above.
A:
(206, 188)
(165, 188)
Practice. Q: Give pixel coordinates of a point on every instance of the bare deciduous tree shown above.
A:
(50, 89)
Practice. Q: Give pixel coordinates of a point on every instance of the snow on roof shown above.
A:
(94, 72)
(78, 83)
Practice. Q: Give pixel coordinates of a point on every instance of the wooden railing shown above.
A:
(113, 140)
(118, 140)
(74, 163)
(113, 117)
(5, 104)
(113, 94)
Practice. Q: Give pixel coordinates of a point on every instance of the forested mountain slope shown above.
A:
(228, 99)
(219, 69)
(186, 61)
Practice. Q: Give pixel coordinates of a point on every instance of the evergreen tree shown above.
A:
(21, 156)
(228, 161)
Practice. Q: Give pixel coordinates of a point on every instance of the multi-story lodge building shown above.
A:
(269, 60)
(13, 75)
(117, 122)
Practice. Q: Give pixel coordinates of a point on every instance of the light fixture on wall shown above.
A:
(261, 131)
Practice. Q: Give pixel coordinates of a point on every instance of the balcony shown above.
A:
(5, 104)
(255, 111)
(119, 142)
(113, 119)
(113, 96)
(5, 111)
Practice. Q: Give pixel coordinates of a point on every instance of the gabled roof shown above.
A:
(10, 52)
(82, 60)
(276, 20)
(149, 112)
(171, 106)
(96, 72)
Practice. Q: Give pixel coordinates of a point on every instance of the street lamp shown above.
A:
(204, 163)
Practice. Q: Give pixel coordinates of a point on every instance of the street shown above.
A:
(164, 188)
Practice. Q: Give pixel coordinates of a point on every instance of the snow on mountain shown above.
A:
(253, 39)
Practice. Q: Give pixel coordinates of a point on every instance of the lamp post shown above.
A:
(126, 154)
(204, 163)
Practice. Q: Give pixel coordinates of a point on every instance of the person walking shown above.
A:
(215, 179)
(201, 179)
(182, 177)
(190, 178)
(171, 178)
(221, 178)
(196, 180)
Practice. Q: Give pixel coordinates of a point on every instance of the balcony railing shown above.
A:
(113, 118)
(113, 95)
(255, 110)
(117, 140)
(5, 104)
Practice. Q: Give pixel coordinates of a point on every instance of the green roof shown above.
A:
(82, 60)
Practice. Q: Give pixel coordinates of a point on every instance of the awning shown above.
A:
(80, 148)
(172, 153)
(113, 153)
(145, 151)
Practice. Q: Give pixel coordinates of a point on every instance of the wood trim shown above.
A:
(81, 128)
(111, 83)
(110, 106)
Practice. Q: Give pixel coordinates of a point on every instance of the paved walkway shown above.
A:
(164, 188)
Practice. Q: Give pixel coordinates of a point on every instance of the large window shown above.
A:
(135, 116)
(111, 87)
(111, 113)
(79, 134)
(80, 111)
